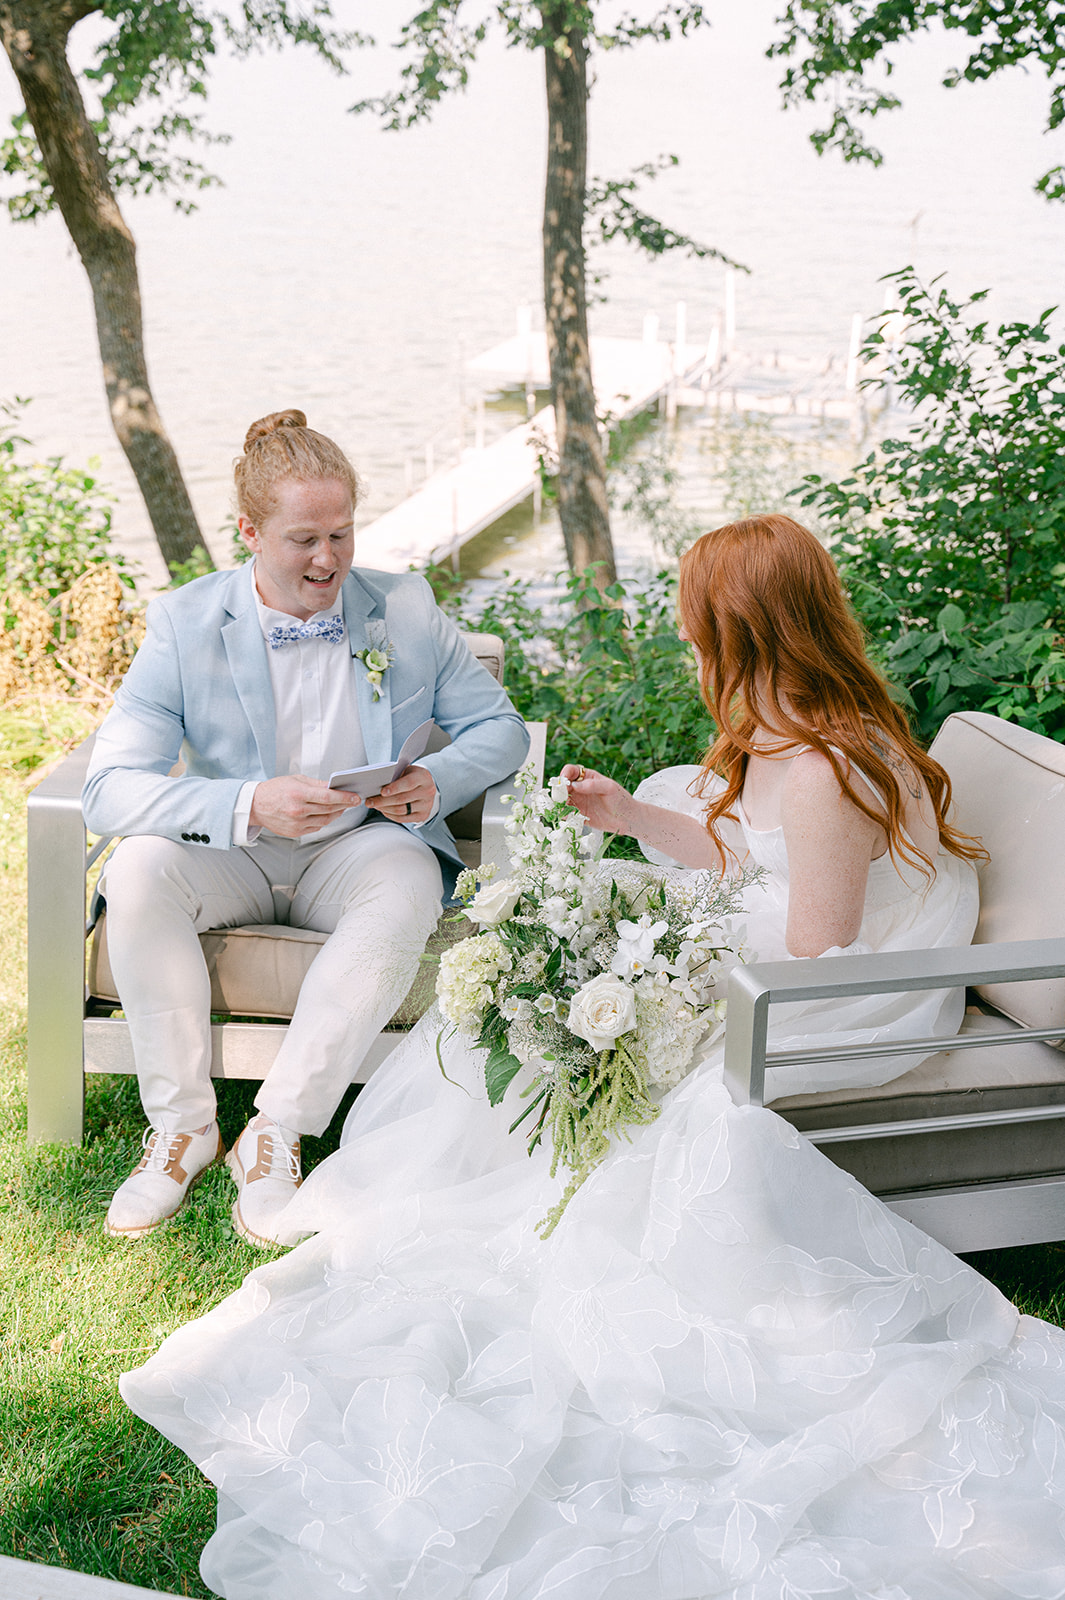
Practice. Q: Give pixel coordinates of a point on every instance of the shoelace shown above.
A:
(284, 1162)
(158, 1149)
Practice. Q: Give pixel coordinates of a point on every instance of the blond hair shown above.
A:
(282, 446)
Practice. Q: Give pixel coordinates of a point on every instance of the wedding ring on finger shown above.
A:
(409, 808)
(581, 774)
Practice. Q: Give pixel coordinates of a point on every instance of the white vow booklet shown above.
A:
(369, 781)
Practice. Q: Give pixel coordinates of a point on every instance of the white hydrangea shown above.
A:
(667, 1032)
(466, 979)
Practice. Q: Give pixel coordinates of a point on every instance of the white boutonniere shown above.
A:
(376, 658)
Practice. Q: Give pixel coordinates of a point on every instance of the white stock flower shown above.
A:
(601, 1011)
(494, 902)
(559, 789)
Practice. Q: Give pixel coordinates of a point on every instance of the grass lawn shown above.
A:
(83, 1483)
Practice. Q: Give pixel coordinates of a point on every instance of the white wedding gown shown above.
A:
(729, 1372)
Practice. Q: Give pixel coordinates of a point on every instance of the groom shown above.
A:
(259, 680)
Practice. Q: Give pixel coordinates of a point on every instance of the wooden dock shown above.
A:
(456, 504)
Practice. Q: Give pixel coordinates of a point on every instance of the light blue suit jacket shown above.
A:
(199, 687)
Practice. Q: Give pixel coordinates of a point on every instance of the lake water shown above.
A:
(351, 271)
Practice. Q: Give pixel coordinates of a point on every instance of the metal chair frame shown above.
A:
(965, 1216)
(66, 1039)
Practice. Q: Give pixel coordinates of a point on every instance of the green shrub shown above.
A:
(950, 537)
(1012, 666)
(607, 672)
(55, 520)
(967, 506)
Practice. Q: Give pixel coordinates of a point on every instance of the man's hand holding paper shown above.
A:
(410, 798)
(295, 806)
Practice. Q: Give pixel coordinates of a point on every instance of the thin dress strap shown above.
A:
(855, 768)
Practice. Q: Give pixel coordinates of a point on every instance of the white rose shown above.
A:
(494, 902)
(602, 1010)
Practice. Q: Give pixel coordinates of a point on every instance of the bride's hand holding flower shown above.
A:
(610, 808)
(600, 801)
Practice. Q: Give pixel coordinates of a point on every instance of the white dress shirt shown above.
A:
(316, 718)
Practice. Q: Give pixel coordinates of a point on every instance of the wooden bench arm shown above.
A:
(753, 989)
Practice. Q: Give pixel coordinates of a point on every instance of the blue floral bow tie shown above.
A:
(331, 628)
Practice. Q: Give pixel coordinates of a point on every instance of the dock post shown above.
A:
(525, 335)
(855, 346)
(679, 361)
(851, 382)
(713, 358)
(455, 531)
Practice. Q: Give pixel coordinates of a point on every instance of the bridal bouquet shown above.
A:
(597, 981)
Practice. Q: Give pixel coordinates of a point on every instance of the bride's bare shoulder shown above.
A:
(813, 797)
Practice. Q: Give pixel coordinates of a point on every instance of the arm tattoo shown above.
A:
(902, 769)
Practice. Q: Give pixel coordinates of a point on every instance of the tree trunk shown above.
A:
(35, 35)
(582, 498)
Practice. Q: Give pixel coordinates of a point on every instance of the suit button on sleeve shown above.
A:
(205, 838)
(187, 837)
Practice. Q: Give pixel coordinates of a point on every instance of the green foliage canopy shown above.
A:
(440, 43)
(836, 44)
(156, 56)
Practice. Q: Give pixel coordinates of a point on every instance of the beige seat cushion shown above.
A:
(1009, 791)
(258, 971)
(995, 1078)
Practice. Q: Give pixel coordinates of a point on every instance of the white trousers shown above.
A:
(375, 890)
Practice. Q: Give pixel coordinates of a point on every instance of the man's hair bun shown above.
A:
(282, 446)
(266, 425)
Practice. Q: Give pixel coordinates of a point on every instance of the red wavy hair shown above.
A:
(762, 603)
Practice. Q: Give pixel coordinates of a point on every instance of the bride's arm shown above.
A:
(830, 844)
(606, 805)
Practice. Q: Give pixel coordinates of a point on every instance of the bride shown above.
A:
(729, 1371)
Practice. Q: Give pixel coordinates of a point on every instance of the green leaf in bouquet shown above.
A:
(500, 1071)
